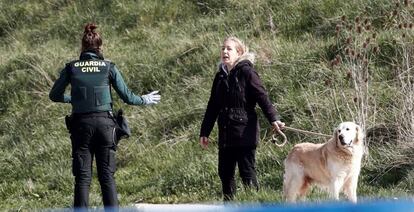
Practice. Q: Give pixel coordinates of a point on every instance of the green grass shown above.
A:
(173, 46)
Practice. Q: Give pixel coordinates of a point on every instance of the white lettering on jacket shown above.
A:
(90, 66)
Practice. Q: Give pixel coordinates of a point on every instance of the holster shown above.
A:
(68, 122)
(122, 128)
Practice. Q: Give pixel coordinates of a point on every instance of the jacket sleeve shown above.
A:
(121, 88)
(212, 111)
(259, 93)
(57, 93)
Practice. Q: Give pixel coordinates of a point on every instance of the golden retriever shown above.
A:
(334, 165)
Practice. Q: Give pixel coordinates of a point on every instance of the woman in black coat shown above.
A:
(236, 90)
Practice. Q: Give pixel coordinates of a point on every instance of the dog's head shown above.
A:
(348, 134)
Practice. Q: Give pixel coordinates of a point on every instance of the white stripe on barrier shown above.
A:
(384, 205)
(145, 207)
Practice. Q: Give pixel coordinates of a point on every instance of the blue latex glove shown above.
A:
(151, 98)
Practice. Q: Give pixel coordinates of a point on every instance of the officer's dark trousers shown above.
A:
(93, 135)
(244, 157)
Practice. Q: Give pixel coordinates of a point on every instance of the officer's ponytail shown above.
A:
(91, 39)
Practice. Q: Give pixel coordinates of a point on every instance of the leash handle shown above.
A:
(274, 139)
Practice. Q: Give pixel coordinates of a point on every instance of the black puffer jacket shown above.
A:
(232, 102)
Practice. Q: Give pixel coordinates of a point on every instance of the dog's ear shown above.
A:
(335, 134)
(359, 134)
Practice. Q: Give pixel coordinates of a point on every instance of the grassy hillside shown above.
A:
(173, 46)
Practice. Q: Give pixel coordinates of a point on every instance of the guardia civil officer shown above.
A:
(93, 127)
(236, 91)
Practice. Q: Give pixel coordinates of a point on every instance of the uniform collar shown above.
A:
(91, 55)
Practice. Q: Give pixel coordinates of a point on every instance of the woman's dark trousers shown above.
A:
(93, 135)
(244, 157)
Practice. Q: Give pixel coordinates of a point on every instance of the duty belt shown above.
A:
(108, 114)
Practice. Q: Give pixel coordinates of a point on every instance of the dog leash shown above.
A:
(274, 139)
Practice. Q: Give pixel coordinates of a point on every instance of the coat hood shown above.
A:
(248, 56)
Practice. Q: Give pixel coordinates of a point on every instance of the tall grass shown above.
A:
(173, 46)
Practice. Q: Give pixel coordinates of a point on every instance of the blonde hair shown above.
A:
(240, 46)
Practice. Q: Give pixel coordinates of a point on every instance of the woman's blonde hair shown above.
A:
(240, 46)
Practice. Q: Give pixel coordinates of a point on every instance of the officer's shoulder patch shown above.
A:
(72, 62)
(68, 68)
(110, 62)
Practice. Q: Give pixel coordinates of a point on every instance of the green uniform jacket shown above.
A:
(91, 79)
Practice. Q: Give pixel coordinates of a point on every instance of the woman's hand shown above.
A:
(278, 125)
(204, 142)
